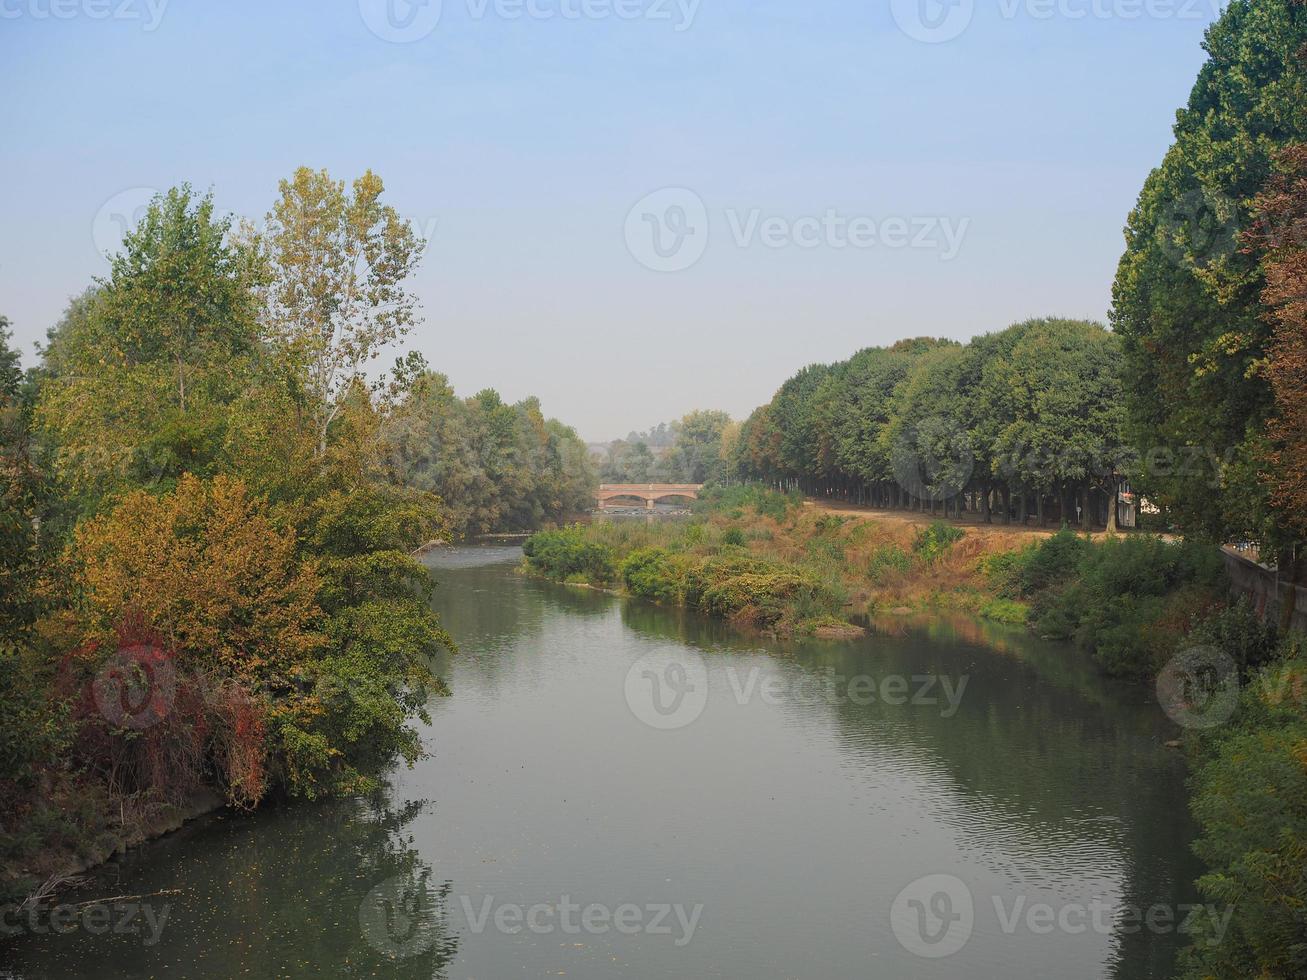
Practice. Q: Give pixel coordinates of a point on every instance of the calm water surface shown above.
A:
(763, 829)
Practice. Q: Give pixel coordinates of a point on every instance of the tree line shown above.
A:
(1025, 421)
(688, 450)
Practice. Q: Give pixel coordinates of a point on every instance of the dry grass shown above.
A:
(874, 558)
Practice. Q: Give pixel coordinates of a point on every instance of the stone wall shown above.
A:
(1264, 589)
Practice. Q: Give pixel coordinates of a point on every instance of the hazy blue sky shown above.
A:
(975, 161)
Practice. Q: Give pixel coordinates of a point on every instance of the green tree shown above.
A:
(336, 292)
(138, 375)
(23, 498)
(698, 446)
(1052, 413)
(1187, 300)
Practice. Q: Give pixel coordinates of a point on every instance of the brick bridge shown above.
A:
(650, 493)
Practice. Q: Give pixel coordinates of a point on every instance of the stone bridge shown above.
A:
(650, 493)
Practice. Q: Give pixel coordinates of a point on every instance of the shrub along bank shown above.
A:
(763, 560)
(681, 566)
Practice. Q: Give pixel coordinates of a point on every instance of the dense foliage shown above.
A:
(497, 467)
(1250, 797)
(1127, 601)
(1188, 300)
(1209, 302)
(1030, 417)
(206, 581)
(697, 565)
(691, 450)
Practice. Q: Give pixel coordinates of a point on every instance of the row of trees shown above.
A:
(690, 450)
(1030, 417)
(1210, 304)
(209, 496)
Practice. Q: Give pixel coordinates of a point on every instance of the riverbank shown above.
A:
(90, 834)
(774, 563)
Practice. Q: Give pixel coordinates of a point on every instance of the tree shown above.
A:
(207, 569)
(925, 438)
(1054, 416)
(1281, 235)
(138, 375)
(23, 496)
(497, 467)
(1187, 301)
(698, 446)
(336, 295)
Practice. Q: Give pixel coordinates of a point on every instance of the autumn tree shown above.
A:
(1281, 235)
(337, 295)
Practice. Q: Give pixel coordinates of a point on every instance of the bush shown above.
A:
(1005, 611)
(566, 552)
(764, 599)
(34, 729)
(1006, 569)
(654, 573)
(1240, 633)
(1052, 562)
(733, 537)
(933, 541)
(735, 498)
(1128, 601)
(886, 560)
(1250, 799)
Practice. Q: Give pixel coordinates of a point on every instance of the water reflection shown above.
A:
(298, 891)
(792, 816)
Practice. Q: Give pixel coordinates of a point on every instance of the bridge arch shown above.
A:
(650, 493)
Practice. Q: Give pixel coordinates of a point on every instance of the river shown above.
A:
(619, 790)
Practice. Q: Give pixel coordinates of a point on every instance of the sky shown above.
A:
(634, 208)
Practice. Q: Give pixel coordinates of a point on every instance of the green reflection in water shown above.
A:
(794, 818)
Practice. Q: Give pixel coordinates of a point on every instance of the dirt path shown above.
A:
(908, 518)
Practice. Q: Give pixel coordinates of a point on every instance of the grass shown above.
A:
(762, 561)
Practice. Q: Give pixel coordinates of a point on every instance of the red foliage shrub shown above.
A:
(156, 731)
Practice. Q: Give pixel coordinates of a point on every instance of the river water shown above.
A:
(619, 790)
